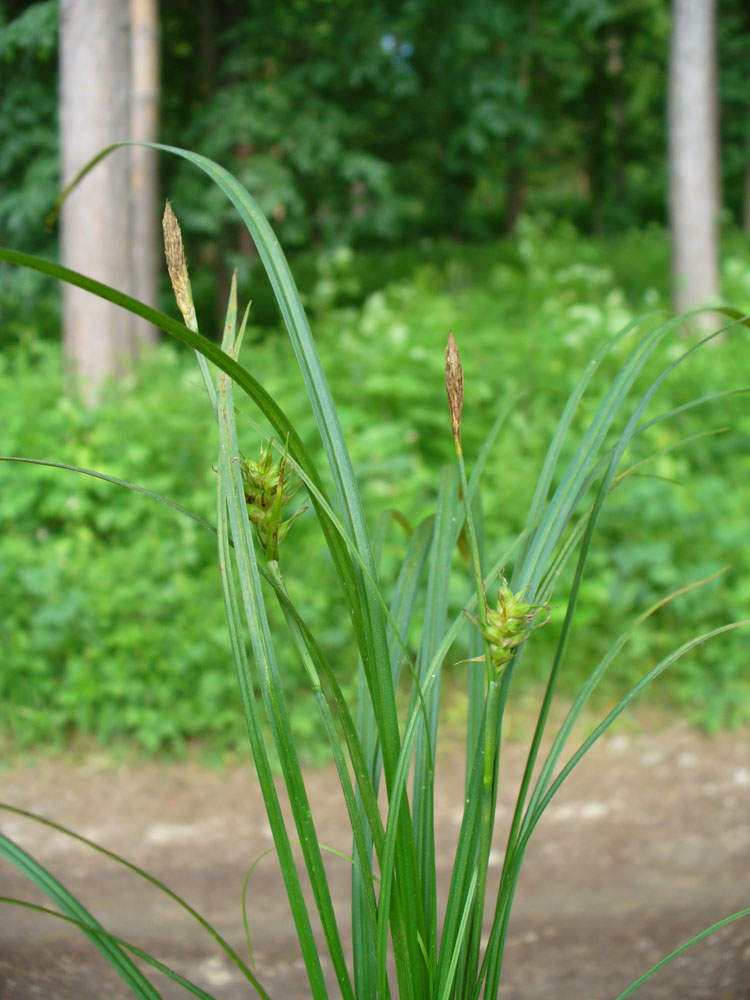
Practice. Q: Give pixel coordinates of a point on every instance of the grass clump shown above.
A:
(530, 321)
(407, 630)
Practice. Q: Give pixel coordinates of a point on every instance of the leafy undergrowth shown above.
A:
(114, 627)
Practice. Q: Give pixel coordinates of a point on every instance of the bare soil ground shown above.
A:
(647, 844)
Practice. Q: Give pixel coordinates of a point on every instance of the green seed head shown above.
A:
(509, 625)
(268, 488)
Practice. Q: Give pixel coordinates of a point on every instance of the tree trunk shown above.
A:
(693, 155)
(144, 115)
(94, 112)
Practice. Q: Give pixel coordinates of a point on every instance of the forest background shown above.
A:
(497, 168)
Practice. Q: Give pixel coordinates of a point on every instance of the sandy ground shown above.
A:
(647, 844)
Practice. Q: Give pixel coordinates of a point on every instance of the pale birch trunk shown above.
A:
(95, 234)
(693, 154)
(144, 116)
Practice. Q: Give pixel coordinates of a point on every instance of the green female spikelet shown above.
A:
(267, 490)
(509, 625)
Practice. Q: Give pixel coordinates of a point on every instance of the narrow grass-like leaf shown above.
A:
(476, 682)
(555, 447)
(116, 482)
(267, 405)
(309, 656)
(270, 681)
(71, 907)
(573, 714)
(400, 616)
(552, 526)
(511, 873)
(230, 506)
(435, 619)
(115, 940)
(364, 600)
(462, 890)
(371, 628)
(209, 928)
(679, 951)
(561, 505)
(486, 818)
(262, 764)
(622, 704)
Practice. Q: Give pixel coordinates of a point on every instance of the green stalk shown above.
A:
(362, 853)
(436, 614)
(492, 730)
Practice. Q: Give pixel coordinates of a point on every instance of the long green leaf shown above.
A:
(550, 526)
(369, 621)
(116, 482)
(270, 680)
(116, 941)
(560, 507)
(371, 629)
(70, 906)
(262, 764)
(362, 598)
(209, 928)
(510, 875)
(679, 951)
(555, 447)
(545, 775)
(435, 620)
(267, 405)
(462, 890)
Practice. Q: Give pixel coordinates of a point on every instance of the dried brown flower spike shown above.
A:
(177, 267)
(454, 385)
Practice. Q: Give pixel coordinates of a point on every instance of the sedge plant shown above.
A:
(401, 944)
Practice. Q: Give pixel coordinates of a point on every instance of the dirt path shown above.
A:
(648, 843)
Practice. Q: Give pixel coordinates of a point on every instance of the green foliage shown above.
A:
(28, 127)
(398, 933)
(734, 53)
(117, 632)
(29, 171)
(339, 147)
(373, 124)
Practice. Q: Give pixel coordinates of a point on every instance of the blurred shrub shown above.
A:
(114, 622)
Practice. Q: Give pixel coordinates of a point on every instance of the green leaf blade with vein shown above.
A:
(72, 908)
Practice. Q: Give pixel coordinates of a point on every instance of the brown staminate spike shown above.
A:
(177, 267)
(454, 385)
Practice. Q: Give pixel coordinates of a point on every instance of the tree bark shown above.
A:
(94, 112)
(693, 155)
(144, 118)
